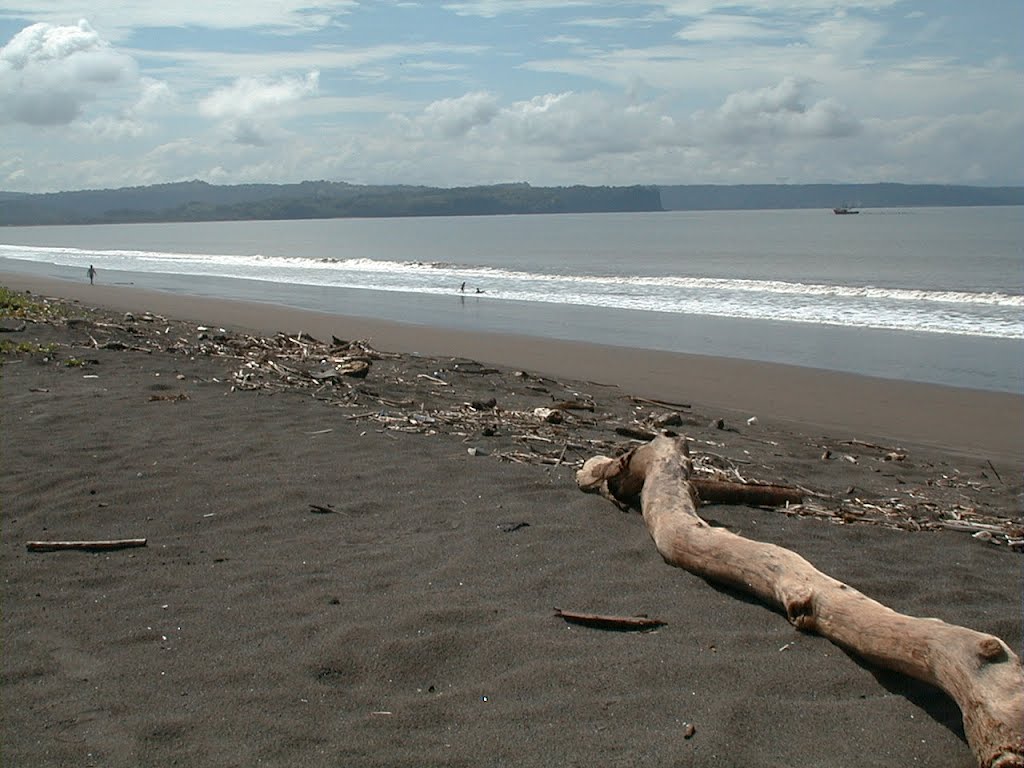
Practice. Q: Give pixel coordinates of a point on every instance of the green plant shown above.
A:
(27, 307)
(26, 348)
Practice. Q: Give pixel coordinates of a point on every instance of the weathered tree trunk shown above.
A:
(978, 671)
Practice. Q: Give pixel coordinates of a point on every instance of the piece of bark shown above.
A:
(754, 494)
(978, 671)
(106, 544)
(601, 621)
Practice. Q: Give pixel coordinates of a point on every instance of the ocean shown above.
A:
(922, 294)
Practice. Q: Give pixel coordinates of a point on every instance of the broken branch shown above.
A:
(620, 623)
(99, 545)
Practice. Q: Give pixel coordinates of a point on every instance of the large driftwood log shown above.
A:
(978, 671)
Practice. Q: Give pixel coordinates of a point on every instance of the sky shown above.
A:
(114, 93)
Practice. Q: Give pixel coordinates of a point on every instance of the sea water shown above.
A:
(924, 294)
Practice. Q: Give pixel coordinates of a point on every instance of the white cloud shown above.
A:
(845, 38)
(574, 126)
(120, 17)
(249, 95)
(491, 8)
(568, 126)
(49, 73)
(155, 97)
(453, 118)
(250, 107)
(725, 27)
(779, 112)
(649, 91)
(362, 63)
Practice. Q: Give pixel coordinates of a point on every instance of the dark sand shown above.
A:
(414, 626)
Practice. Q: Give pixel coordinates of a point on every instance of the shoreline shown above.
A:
(962, 421)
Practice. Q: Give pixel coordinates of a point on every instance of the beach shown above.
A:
(364, 572)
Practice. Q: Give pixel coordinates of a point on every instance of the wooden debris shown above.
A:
(663, 403)
(550, 415)
(176, 397)
(98, 545)
(512, 527)
(978, 671)
(864, 444)
(619, 623)
(526, 429)
(432, 379)
(754, 494)
(635, 433)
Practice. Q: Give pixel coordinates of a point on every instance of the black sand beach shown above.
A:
(365, 573)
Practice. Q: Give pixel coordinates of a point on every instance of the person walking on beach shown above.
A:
(91, 273)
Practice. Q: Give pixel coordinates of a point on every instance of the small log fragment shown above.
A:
(619, 623)
(635, 433)
(753, 494)
(980, 672)
(324, 375)
(433, 379)
(663, 403)
(356, 369)
(98, 545)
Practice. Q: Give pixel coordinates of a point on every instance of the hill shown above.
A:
(199, 201)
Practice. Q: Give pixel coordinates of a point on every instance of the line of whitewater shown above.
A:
(318, 271)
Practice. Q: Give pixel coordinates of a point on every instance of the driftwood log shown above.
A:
(978, 671)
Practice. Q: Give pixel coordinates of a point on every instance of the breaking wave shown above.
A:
(987, 314)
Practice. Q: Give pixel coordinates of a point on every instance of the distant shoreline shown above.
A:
(198, 201)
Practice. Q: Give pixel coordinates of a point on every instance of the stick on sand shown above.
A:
(98, 545)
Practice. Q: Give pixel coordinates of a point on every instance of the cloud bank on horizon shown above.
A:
(552, 92)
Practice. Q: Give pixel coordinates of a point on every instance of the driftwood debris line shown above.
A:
(521, 413)
(978, 671)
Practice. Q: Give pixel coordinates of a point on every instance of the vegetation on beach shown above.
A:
(26, 348)
(23, 306)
